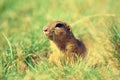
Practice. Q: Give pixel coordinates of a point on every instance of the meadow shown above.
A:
(24, 47)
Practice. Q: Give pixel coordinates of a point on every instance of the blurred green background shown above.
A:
(21, 25)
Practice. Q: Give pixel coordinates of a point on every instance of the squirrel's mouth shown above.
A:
(49, 35)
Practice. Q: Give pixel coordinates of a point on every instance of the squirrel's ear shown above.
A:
(68, 27)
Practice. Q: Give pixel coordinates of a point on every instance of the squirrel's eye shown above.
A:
(59, 25)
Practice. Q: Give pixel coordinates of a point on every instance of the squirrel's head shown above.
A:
(57, 30)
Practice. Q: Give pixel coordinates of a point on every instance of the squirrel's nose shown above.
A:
(45, 30)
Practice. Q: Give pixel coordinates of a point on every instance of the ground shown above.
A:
(24, 47)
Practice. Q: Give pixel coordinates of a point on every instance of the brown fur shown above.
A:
(60, 33)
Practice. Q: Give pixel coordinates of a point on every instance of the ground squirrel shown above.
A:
(60, 33)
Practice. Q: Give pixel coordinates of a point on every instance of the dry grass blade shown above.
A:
(9, 44)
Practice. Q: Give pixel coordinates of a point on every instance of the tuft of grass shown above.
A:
(115, 37)
(24, 48)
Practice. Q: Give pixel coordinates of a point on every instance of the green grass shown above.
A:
(97, 22)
